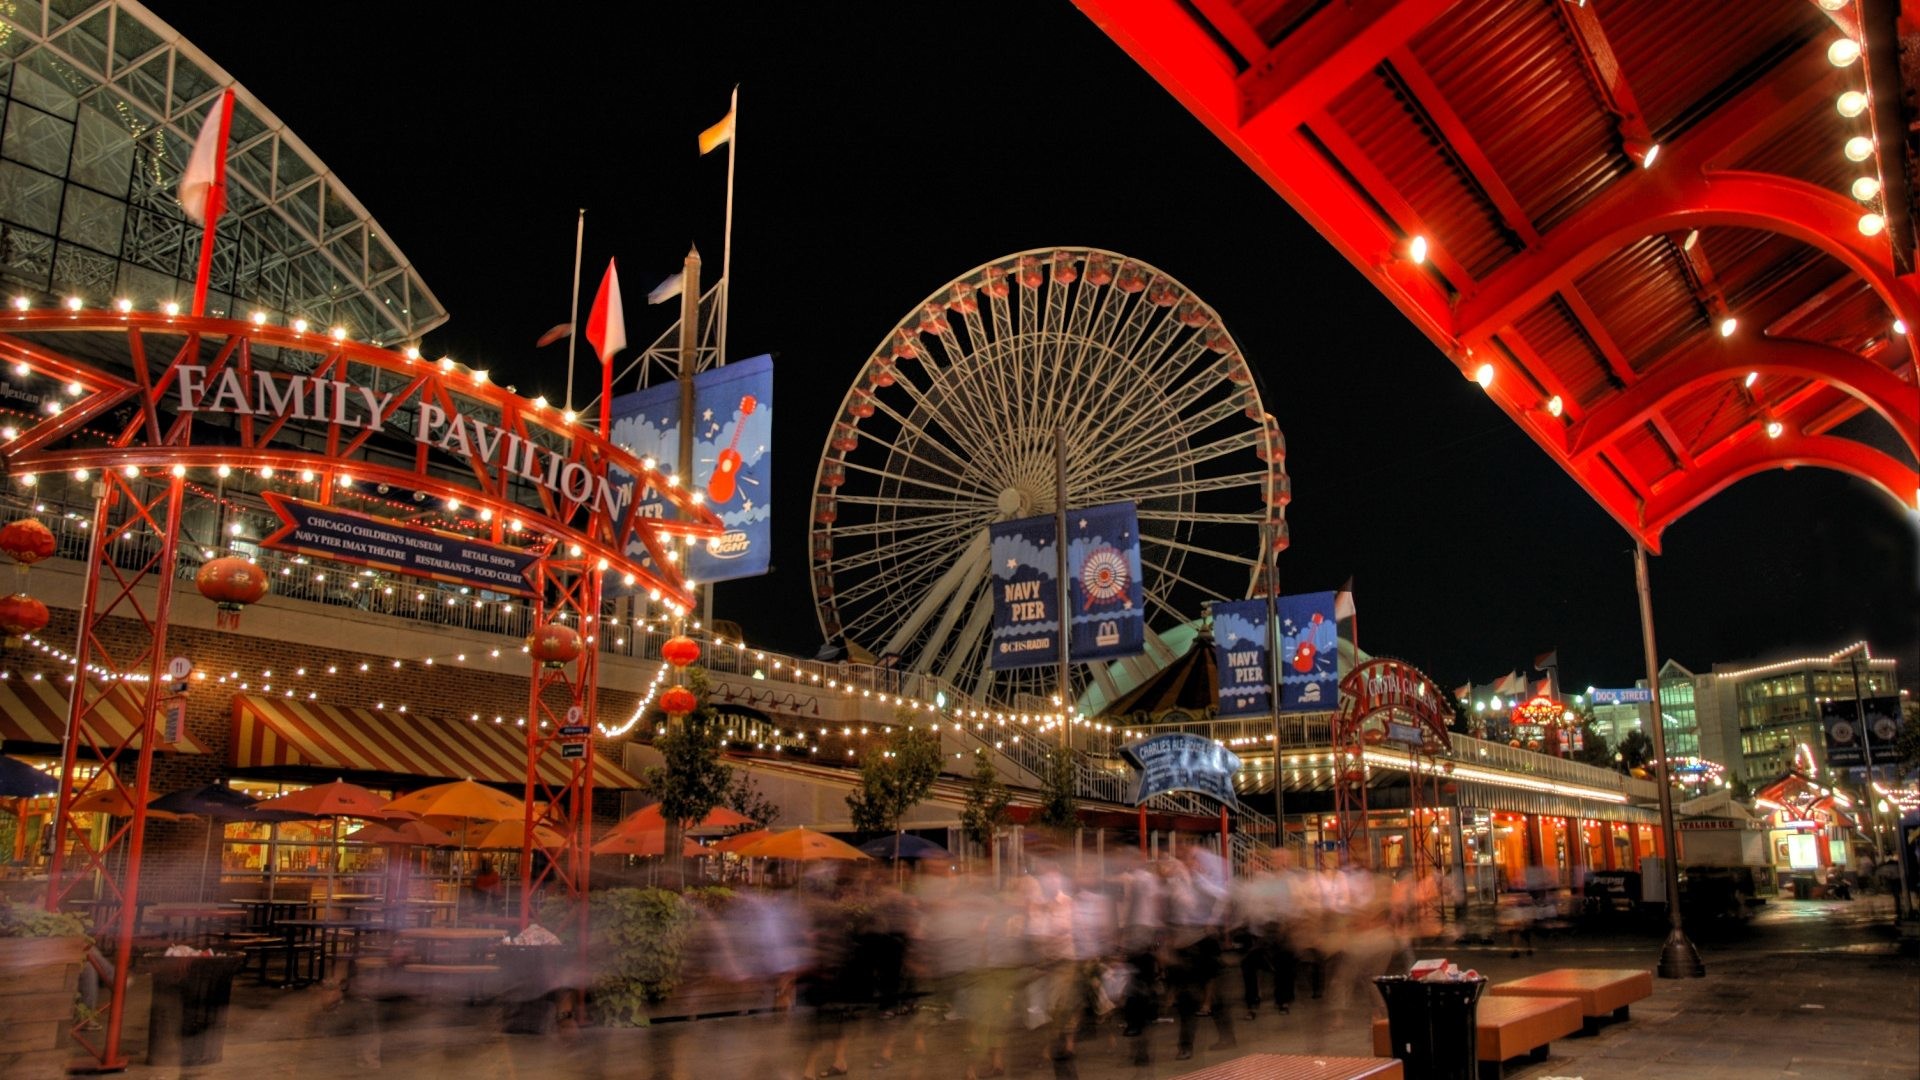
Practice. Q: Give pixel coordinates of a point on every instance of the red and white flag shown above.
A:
(1463, 691)
(607, 323)
(203, 186)
(1543, 688)
(1513, 685)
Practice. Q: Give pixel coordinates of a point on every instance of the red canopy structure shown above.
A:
(1673, 241)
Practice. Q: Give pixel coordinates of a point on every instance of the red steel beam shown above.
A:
(1758, 454)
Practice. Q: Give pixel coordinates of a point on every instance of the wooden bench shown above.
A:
(1300, 1067)
(1603, 993)
(1507, 1027)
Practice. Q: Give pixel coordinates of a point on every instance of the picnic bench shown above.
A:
(1507, 1027)
(1300, 1067)
(1603, 993)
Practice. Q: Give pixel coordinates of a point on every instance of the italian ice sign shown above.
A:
(1181, 761)
(732, 466)
(332, 533)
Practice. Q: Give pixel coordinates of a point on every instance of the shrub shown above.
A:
(22, 921)
(638, 948)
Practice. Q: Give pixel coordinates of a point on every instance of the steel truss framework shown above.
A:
(1592, 219)
(1374, 695)
(125, 377)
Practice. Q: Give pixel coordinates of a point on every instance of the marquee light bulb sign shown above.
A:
(175, 393)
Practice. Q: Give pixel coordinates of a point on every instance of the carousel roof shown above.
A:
(1671, 240)
(1190, 684)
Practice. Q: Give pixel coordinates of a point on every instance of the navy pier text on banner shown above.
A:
(1240, 652)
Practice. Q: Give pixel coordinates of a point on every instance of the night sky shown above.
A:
(884, 149)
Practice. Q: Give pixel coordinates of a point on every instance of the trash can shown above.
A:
(532, 976)
(187, 1024)
(1433, 1025)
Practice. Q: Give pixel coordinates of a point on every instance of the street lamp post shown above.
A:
(1678, 958)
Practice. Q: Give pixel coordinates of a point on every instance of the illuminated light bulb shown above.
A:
(306, 476)
(629, 579)
(21, 303)
(74, 389)
(234, 529)
(22, 370)
(1871, 224)
(1728, 325)
(259, 318)
(1483, 375)
(1899, 326)
(179, 470)
(1859, 148)
(648, 462)
(1843, 52)
(1866, 188)
(266, 472)
(486, 513)
(224, 471)
(339, 333)
(602, 564)
(1834, 5)
(1774, 429)
(80, 474)
(568, 416)
(130, 472)
(29, 479)
(1417, 250)
(479, 376)
(1555, 406)
(699, 497)
(453, 503)
(124, 305)
(515, 525)
(446, 363)
(74, 303)
(346, 481)
(300, 326)
(574, 550)
(673, 479)
(1851, 104)
(172, 308)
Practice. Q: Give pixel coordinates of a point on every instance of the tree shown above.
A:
(1462, 720)
(691, 780)
(1636, 750)
(985, 811)
(746, 799)
(1907, 743)
(1740, 790)
(1059, 792)
(1594, 747)
(894, 776)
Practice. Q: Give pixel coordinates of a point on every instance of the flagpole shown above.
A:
(726, 238)
(573, 312)
(215, 204)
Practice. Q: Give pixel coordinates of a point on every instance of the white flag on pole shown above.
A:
(668, 289)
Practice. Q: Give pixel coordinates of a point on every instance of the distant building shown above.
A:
(1763, 711)
(1679, 696)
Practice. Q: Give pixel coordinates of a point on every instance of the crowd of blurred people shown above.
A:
(966, 979)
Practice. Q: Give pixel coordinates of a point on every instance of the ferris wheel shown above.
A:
(949, 426)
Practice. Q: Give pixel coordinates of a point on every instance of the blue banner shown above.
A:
(1309, 653)
(1103, 561)
(1240, 653)
(332, 533)
(1026, 594)
(1182, 761)
(732, 466)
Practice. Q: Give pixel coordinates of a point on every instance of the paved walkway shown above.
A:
(1813, 989)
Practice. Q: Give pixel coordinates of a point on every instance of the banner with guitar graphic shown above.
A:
(732, 444)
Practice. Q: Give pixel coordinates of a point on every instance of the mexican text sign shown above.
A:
(1240, 652)
(1181, 761)
(732, 460)
(1103, 570)
(1847, 744)
(1309, 653)
(332, 533)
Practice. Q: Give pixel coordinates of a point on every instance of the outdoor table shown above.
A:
(451, 944)
(196, 921)
(326, 934)
(263, 913)
(428, 911)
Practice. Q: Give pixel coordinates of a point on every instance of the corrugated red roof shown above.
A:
(1513, 135)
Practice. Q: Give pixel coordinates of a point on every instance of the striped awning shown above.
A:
(270, 731)
(35, 711)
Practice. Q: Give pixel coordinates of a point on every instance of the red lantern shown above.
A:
(22, 614)
(680, 650)
(677, 701)
(27, 541)
(232, 583)
(554, 645)
(1355, 776)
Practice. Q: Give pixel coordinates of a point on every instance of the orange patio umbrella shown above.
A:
(333, 800)
(462, 799)
(742, 840)
(645, 843)
(803, 844)
(505, 835)
(648, 818)
(403, 834)
(115, 802)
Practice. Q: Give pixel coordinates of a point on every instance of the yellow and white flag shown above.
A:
(721, 133)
